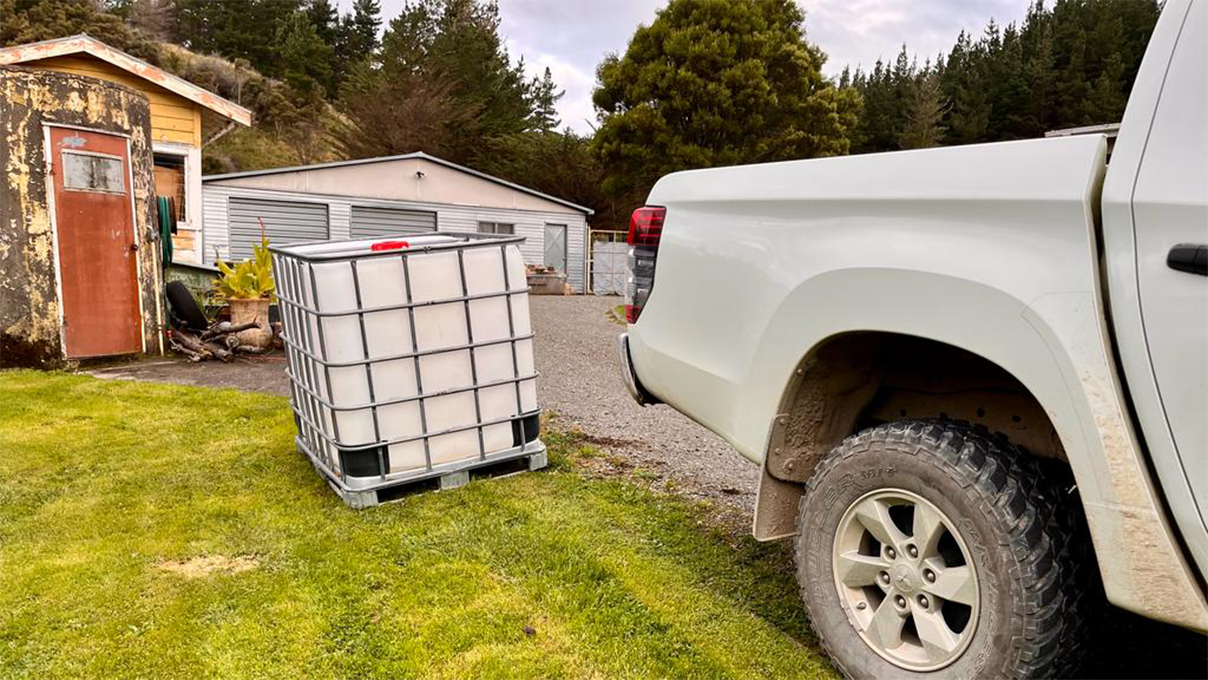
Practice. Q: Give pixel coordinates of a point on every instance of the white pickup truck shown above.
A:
(955, 365)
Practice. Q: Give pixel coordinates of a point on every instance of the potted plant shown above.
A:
(248, 288)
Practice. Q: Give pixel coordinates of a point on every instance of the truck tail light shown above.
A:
(645, 230)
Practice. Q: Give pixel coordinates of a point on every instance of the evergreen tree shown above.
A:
(235, 29)
(357, 35)
(27, 21)
(878, 124)
(560, 164)
(714, 82)
(543, 98)
(1063, 67)
(450, 51)
(305, 60)
(923, 126)
(325, 20)
(402, 113)
(1107, 100)
(1039, 72)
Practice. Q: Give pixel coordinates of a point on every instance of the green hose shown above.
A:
(165, 215)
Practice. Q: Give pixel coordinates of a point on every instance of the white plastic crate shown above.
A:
(409, 357)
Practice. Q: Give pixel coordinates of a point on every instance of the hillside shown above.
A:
(284, 133)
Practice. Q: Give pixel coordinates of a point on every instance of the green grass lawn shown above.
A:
(160, 531)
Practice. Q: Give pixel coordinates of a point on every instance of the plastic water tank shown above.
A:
(410, 356)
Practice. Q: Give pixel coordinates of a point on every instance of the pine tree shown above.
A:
(715, 82)
(1107, 100)
(402, 113)
(543, 98)
(304, 58)
(235, 29)
(26, 21)
(358, 32)
(450, 51)
(325, 20)
(923, 126)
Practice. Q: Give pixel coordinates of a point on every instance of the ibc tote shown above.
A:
(409, 358)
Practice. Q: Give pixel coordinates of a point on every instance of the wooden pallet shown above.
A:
(443, 481)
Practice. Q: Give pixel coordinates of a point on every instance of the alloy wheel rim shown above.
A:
(906, 579)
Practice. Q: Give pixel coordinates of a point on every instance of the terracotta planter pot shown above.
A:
(252, 311)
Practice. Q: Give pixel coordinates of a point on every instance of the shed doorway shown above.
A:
(555, 246)
(96, 243)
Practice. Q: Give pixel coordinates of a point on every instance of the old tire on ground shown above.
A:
(933, 549)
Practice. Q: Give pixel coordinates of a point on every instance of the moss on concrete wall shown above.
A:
(29, 305)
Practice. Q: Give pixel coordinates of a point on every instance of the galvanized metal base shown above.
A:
(534, 455)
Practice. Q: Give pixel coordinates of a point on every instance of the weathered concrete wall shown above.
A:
(29, 306)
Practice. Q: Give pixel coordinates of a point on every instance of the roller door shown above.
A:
(368, 221)
(284, 222)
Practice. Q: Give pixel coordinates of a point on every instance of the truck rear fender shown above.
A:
(918, 344)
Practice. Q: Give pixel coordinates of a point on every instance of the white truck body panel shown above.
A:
(927, 243)
(1154, 197)
(989, 248)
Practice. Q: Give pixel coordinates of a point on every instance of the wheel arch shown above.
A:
(857, 379)
(1053, 350)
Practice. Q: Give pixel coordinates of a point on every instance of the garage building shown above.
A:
(412, 193)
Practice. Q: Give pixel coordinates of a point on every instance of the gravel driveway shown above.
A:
(581, 381)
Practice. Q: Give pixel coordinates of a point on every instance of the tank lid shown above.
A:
(387, 245)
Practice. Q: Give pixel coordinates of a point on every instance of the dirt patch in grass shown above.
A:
(202, 566)
(610, 442)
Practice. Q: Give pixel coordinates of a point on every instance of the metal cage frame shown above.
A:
(299, 307)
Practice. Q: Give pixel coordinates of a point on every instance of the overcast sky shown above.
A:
(572, 36)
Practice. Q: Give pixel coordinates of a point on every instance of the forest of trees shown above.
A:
(1067, 66)
(709, 82)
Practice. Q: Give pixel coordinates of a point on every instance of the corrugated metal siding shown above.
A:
(284, 222)
(215, 233)
(450, 217)
(372, 221)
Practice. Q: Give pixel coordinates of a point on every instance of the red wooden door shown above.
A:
(97, 243)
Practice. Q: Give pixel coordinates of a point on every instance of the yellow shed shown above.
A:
(184, 118)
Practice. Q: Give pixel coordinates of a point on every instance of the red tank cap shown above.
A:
(389, 245)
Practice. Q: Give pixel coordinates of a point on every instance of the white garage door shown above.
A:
(368, 222)
(284, 222)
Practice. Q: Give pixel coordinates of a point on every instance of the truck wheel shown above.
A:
(933, 549)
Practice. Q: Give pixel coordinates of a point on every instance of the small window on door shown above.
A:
(496, 228)
(93, 172)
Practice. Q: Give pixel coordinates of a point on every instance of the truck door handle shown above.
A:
(1189, 257)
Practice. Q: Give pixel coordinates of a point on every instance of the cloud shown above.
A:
(858, 32)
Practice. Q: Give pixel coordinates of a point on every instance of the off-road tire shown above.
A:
(1018, 517)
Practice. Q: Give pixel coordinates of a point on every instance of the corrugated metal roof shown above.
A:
(407, 156)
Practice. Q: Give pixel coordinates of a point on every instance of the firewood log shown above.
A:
(219, 352)
(193, 356)
(226, 328)
(190, 342)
